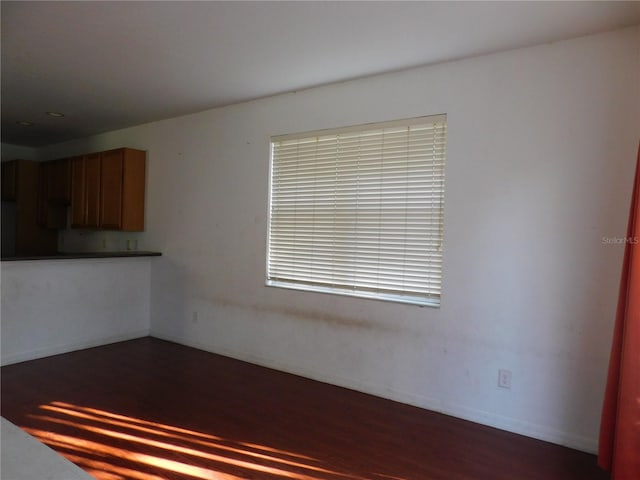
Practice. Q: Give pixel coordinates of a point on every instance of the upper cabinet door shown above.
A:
(133, 190)
(78, 193)
(111, 189)
(58, 181)
(54, 193)
(92, 179)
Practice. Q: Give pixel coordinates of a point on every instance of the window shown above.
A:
(359, 211)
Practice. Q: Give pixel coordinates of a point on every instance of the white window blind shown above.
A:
(359, 211)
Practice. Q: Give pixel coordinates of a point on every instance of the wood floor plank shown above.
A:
(150, 409)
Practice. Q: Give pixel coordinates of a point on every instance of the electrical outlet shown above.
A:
(194, 317)
(504, 379)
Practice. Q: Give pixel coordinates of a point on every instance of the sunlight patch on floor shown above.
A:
(112, 446)
(158, 431)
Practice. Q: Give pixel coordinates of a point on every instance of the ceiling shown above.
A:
(110, 65)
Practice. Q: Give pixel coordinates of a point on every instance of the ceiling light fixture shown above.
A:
(24, 123)
(55, 114)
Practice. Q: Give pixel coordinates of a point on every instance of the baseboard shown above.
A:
(509, 424)
(71, 347)
(528, 429)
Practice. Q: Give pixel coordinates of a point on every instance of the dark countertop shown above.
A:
(73, 256)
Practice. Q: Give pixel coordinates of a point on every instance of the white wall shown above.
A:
(541, 147)
(14, 152)
(57, 306)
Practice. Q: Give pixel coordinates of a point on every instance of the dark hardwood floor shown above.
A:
(150, 409)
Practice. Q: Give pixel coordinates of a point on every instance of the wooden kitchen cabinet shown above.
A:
(57, 174)
(92, 190)
(78, 193)
(108, 190)
(21, 223)
(85, 191)
(54, 193)
(112, 179)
